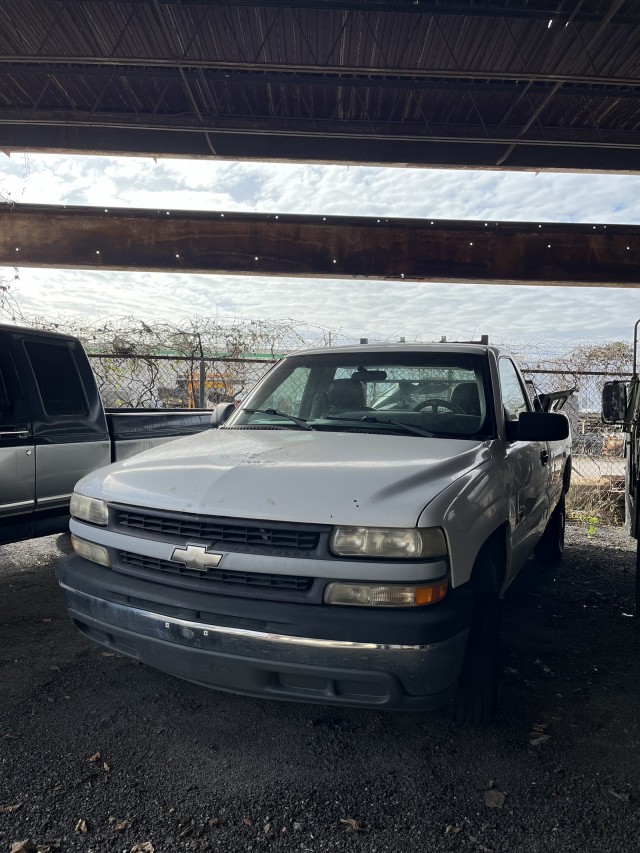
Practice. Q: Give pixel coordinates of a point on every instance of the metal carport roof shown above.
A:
(512, 84)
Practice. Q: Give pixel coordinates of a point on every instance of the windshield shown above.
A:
(419, 394)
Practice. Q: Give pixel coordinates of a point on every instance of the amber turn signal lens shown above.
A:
(431, 594)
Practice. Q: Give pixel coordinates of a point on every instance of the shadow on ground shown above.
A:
(142, 757)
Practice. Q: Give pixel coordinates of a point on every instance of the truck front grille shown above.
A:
(218, 531)
(248, 579)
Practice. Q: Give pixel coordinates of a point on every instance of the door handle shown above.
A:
(544, 456)
(15, 433)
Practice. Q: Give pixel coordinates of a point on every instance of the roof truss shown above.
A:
(548, 85)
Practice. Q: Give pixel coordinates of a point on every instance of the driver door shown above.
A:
(527, 471)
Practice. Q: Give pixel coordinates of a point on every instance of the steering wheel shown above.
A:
(436, 403)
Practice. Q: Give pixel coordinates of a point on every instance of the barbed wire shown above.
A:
(240, 337)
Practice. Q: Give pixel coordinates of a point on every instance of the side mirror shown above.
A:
(539, 426)
(614, 402)
(221, 413)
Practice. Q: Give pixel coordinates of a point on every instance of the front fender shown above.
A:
(469, 510)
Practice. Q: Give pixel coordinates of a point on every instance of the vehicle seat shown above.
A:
(465, 396)
(347, 394)
(320, 405)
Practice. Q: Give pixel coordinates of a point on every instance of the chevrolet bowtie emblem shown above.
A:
(196, 557)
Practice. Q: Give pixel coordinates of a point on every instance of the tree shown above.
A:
(611, 357)
(9, 309)
(187, 363)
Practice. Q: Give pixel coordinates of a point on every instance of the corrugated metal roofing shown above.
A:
(511, 83)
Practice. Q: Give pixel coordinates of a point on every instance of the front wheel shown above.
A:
(550, 548)
(476, 699)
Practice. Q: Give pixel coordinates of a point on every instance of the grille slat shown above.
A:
(217, 575)
(218, 532)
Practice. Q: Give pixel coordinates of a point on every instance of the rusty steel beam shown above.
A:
(320, 246)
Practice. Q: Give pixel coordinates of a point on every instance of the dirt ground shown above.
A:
(98, 754)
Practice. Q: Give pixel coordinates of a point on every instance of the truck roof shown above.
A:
(5, 327)
(394, 348)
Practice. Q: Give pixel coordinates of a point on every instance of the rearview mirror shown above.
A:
(539, 426)
(365, 375)
(614, 402)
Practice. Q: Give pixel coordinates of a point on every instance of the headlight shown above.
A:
(89, 509)
(90, 551)
(385, 595)
(395, 543)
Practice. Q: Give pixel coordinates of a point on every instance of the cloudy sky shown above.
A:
(379, 310)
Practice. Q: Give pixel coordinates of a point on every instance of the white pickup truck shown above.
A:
(344, 537)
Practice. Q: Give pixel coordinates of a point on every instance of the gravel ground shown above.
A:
(98, 754)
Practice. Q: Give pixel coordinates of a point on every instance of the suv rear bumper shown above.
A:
(266, 663)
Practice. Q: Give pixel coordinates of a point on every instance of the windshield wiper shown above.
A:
(371, 420)
(416, 430)
(299, 421)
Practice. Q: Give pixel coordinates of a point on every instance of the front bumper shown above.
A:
(274, 657)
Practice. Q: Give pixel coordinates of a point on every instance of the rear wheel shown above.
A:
(476, 699)
(550, 548)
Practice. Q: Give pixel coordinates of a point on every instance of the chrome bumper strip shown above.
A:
(136, 620)
(422, 670)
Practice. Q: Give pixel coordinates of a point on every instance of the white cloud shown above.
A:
(375, 309)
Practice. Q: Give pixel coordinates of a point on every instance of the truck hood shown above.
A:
(291, 475)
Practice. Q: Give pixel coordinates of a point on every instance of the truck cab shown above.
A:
(54, 429)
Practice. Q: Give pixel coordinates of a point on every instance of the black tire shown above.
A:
(478, 693)
(550, 548)
(476, 699)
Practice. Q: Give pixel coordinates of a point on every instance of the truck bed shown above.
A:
(135, 430)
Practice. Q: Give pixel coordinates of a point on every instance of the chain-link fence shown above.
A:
(168, 381)
(158, 381)
(597, 489)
